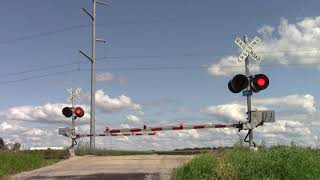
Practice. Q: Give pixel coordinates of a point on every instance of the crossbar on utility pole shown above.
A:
(85, 55)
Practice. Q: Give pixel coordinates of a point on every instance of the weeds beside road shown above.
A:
(14, 162)
(243, 164)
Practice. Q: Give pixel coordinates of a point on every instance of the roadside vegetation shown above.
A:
(242, 164)
(12, 162)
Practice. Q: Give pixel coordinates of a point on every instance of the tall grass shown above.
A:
(243, 164)
(15, 162)
(275, 163)
(203, 166)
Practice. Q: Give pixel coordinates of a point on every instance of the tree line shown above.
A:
(14, 147)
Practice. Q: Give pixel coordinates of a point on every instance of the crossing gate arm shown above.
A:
(118, 134)
(168, 128)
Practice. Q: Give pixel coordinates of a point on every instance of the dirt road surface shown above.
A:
(139, 167)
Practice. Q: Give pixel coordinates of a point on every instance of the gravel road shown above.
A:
(144, 167)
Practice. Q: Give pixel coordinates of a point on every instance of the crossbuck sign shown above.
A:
(248, 49)
(74, 95)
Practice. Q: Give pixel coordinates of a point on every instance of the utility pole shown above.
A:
(93, 71)
(245, 40)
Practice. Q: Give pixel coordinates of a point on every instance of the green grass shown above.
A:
(15, 162)
(275, 163)
(203, 166)
(243, 164)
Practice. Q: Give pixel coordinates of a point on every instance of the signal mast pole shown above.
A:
(72, 99)
(73, 118)
(245, 39)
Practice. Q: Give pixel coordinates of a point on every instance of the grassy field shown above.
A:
(243, 164)
(15, 162)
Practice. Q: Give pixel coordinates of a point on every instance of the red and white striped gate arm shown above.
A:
(119, 134)
(168, 128)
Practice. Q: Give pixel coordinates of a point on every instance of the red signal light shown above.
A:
(259, 82)
(78, 111)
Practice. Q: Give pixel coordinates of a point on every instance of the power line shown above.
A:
(127, 58)
(288, 51)
(150, 68)
(80, 26)
(42, 34)
(37, 77)
(37, 69)
(159, 68)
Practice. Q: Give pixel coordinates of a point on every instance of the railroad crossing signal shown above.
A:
(248, 49)
(257, 83)
(69, 111)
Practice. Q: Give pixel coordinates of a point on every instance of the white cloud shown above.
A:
(47, 113)
(38, 125)
(5, 126)
(30, 136)
(108, 77)
(236, 111)
(306, 102)
(266, 31)
(133, 119)
(108, 104)
(125, 126)
(301, 35)
(104, 77)
(189, 133)
(232, 111)
(228, 66)
(276, 45)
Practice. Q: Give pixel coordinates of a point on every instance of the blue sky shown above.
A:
(154, 34)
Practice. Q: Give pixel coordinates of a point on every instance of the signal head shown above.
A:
(238, 83)
(67, 112)
(79, 112)
(259, 82)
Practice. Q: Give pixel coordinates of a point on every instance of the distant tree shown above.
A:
(16, 146)
(2, 144)
(293, 144)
